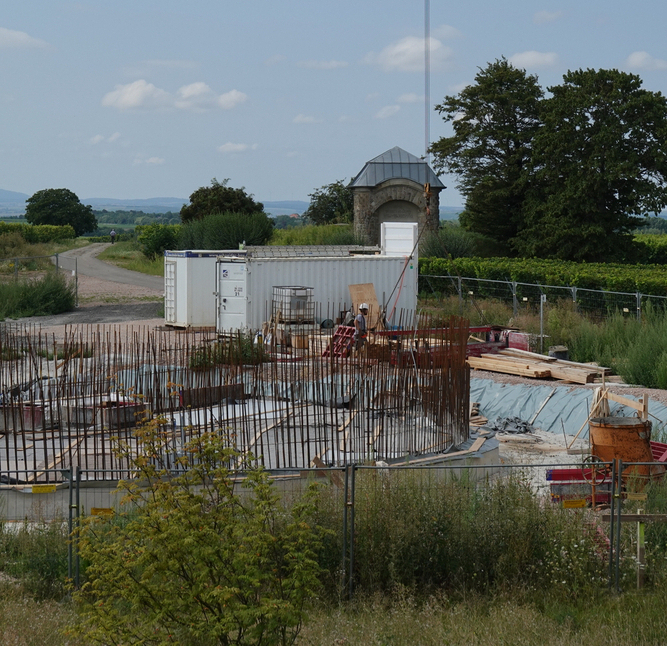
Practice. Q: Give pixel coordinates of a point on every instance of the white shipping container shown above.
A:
(399, 238)
(189, 288)
(244, 286)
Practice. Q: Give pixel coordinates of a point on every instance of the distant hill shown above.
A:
(450, 212)
(150, 205)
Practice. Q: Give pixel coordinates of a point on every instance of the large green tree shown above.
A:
(494, 121)
(219, 198)
(599, 160)
(60, 206)
(332, 203)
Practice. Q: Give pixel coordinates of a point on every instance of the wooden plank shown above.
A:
(334, 476)
(508, 367)
(365, 293)
(534, 355)
(209, 395)
(558, 371)
(626, 402)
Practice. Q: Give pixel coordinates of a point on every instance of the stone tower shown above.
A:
(390, 188)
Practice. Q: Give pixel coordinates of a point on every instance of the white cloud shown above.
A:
(151, 161)
(100, 138)
(372, 96)
(644, 61)
(410, 98)
(532, 59)
(542, 17)
(231, 99)
(195, 96)
(446, 31)
(139, 94)
(322, 65)
(15, 39)
(230, 147)
(387, 111)
(407, 55)
(305, 118)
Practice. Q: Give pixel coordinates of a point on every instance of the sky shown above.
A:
(154, 98)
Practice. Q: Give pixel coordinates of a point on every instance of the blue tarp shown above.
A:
(567, 407)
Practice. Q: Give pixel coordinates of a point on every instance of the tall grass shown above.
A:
(50, 294)
(425, 531)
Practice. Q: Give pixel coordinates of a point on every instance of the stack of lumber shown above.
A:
(537, 366)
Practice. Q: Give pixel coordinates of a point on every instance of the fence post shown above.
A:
(612, 521)
(574, 297)
(619, 507)
(16, 270)
(354, 468)
(515, 302)
(460, 288)
(57, 268)
(345, 509)
(639, 306)
(70, 523)
(76, 282)
(78, 525)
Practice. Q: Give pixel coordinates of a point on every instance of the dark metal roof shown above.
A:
(396, 164)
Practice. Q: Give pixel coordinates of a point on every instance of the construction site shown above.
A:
(67, 403)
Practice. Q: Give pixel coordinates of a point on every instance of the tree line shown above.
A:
(566, 175)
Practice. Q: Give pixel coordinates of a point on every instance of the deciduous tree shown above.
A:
(60, 206)
(332, 203)
(494, 121)
(599, 161)
(219, 198)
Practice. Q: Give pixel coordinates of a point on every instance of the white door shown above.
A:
(232, 296)
(169, 291)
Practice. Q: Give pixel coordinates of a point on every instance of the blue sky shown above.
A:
(154, 98)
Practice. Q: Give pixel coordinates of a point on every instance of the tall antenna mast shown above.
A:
(427, 78)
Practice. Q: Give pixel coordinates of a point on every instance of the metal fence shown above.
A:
(358, 500)
(22, 267)
(527, 297)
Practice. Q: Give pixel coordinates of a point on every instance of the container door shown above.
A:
(169, 291)
(232, 297)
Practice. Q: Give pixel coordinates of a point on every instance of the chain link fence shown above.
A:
(415, 524)
(527, 297)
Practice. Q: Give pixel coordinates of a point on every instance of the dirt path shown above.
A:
(89, 265)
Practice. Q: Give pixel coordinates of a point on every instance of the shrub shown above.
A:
(51, 294)
(226, 231)
(39, 233)
(199, 560)
(239, 350)
(451, 241)
(154, 239)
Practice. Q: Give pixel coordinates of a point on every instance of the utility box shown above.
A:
(244, 285)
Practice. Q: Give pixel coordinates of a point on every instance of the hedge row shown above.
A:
(647, 279)
(36, 233)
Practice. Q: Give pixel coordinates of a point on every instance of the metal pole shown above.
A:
(619, 508)
(639, 306)
(57, 263)
(16, 270)
(641, 553)
(543, 300)
(78, 525)
(345, 509)
(76, 282)
(515, 302)
(460, 286)
(352, 532)
(70, 524)
(612, 521)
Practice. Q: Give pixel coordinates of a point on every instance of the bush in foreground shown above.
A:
(200, 558)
